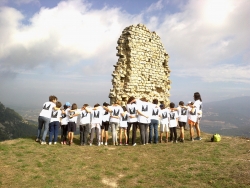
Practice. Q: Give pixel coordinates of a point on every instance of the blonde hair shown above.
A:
(118, 102)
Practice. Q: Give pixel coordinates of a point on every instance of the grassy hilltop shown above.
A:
(25, 163)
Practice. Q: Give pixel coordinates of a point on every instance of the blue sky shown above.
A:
(68, 48)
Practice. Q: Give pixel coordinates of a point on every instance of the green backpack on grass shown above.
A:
(216, 138)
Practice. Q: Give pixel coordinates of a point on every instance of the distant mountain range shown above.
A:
(228, 117)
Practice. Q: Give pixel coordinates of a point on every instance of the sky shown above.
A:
(68, 48)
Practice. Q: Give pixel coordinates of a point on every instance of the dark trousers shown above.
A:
(84, 132)
(135, 126)
(64, 129)
(173, 133)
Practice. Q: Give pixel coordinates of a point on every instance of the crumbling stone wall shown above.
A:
(142, 68)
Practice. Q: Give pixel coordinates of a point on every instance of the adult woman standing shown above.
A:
(198, 106)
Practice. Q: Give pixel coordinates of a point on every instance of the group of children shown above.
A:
(138, 113)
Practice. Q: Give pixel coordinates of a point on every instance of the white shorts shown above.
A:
(164, 128)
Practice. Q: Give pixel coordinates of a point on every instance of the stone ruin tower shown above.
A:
(142, 67)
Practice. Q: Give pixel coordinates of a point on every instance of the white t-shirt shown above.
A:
(124, 120)
(144, 108)
(74, 119)
(193, 114)
(116, 111)
(182, 113)
(84, 117)
(47, 109)
(198, 106)
(106, 116)
(164, 116)
(132, 110)
(64, 120)
(55, 115)
(155, 112)
(172, 119)
(97, 115)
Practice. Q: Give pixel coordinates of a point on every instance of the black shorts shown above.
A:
(105, 125)
(182, 124)
(71, 126)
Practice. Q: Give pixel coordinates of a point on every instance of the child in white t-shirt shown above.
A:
(54, 123)
(192, 118)
(164, 122)
(44, 118)
(105, 124)
(84, 124)
(173, 122)
(116, 111)
(73, 113)
(182, 119)
(96, 121)
(132, 120)
(64, 122)
(123, 125)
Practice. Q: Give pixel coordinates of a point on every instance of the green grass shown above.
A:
(25, 163)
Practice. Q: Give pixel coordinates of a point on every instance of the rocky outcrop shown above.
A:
(142, 69)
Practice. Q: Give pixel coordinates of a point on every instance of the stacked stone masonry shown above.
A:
(142, 68)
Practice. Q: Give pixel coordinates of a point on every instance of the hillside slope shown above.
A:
(25, 163)
(12, 125)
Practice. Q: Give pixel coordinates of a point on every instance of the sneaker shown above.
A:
(62, 143)
(50, 143)
(198, 138)
(134, 144)
(90, 144)
(126, 144)
(37, 140)
(120, 144)
(176, 141)
(191, 139)
(55, 142)
(101, 143)
(106, 143)
(160, 141)
(43, 143)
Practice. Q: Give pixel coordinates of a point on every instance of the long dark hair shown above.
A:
(130, 99)
(197, 96)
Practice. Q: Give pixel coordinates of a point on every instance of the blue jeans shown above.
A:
(53, 130)
(153, 126)
(42, 121)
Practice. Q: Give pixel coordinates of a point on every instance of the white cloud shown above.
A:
(205, 40)
(155, 6)
(70, 33)
(206, 34)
